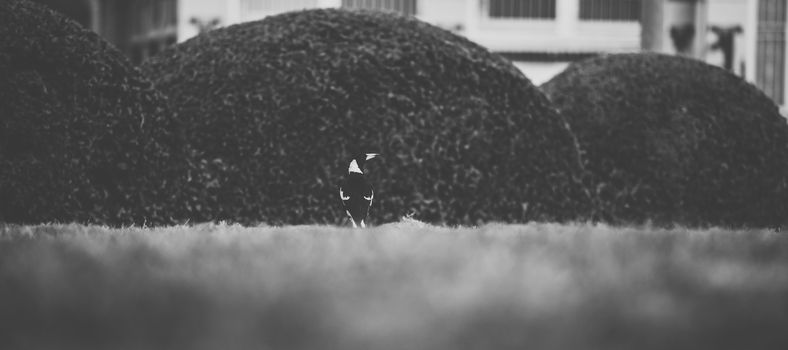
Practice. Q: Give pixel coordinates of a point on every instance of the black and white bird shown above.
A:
(355, 191)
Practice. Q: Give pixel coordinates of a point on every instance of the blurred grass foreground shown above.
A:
(404, 285)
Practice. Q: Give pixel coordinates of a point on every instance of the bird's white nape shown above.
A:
(372, 155)
(353, 168)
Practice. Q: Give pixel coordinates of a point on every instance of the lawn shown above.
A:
(403, 285)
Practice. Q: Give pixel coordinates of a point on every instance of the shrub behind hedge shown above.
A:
(273, 110)
(84, 137)
(674, 140)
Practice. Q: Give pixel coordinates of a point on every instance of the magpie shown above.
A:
(355, 191)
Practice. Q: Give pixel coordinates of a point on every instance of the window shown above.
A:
(610, 10)
(770, 50)
(407, 7)
(539, 9)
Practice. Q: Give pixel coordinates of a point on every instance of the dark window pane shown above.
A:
(407, 7)
(522, 9)
(610, 10)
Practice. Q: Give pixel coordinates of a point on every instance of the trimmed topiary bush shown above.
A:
(83, 136)
(674, 140)
(275, 108)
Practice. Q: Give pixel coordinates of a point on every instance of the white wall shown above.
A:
(447, 14)
(236, 11)
(252, 10)
(541, 72)
(204, 10)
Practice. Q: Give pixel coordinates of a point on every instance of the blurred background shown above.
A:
(747, 37)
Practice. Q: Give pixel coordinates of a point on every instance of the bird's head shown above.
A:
(357, 163)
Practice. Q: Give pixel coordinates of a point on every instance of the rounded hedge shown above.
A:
(83, 135)
(673, 140)
(275, 108)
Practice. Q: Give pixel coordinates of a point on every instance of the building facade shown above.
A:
(747, 37)
(541, 37)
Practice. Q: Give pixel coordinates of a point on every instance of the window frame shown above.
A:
(637, 6)
(551, 15)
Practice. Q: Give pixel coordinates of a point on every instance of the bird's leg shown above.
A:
(351, 218)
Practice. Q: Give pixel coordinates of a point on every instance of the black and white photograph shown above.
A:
(393, 174)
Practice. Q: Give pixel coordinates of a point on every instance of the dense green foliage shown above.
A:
(273, 110)
(83, 136)
(674, 140)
